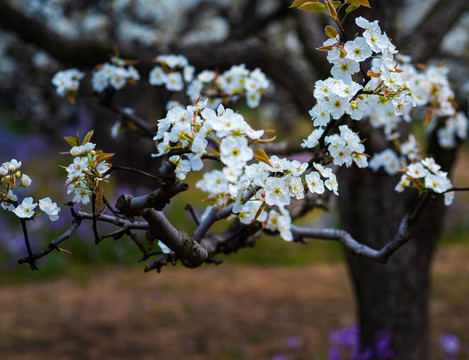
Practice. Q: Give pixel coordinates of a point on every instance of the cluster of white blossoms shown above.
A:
(430, 87)
(262, 191)
(386, 92)
(427, 174)
(175, 73)
(172, 71)
(85, 172)
(11, 178)
(386, 159)
(67, 82)
(391, 162)
(117, 74)
(394, 88)
(191, 129)
(419, 174)
(236, 81)
(346, 148)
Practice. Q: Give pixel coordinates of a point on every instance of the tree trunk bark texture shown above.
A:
(393, 296)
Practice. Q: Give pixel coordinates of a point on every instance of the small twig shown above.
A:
(125, 168)
(53, 245)
(418, 209)
(140, 123)
(108, 206)
(114, 220)
(190, 208)
(31, 260)
(139, 244)
(116, 235)
(159, 262)
(457, 189)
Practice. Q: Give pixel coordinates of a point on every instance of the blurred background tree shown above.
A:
(41, 37)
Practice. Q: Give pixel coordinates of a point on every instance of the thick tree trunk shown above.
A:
(392, 296)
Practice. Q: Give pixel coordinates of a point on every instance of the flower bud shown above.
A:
(76, 150)
(25, 180)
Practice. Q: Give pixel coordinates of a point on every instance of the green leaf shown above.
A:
(260, 155)
(359, 2)
(336, 3)
(99, 197)
(300, 2)
(330, 31)
(259, 212)
(351, 7)
(331, 9)
(325, 48)
(343, 53)
(313, 7)
(71, 141)
(88, 137)
(365, 3)
(103, 157)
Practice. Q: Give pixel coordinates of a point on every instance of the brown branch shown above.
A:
(189, 251)
(402, 236)
(114, 220)
(53, 245)
(29, 29)
(82, 53)
(354, 246)
(158, 199)
(251, 24)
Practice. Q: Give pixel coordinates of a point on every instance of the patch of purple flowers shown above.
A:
(345, 345)
(449, 346)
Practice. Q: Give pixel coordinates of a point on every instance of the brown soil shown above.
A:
(227, 312)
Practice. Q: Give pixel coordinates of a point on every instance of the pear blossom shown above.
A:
(50, 208)
(315, 183)
(234, 151)
(416, 170)
(343, 69)
(357, 50)
(67, 81)
(25, 210)
(277, 192)
(157, 76)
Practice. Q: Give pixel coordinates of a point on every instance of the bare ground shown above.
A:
(227, 312)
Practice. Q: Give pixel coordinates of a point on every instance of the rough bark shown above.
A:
(395, 296)
(392, 296)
